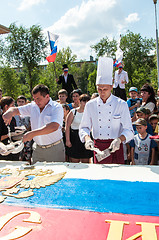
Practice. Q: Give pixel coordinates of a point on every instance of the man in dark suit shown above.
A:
(68, 82)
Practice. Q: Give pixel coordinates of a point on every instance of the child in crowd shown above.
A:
(66, 110)
(133, 102)
(22, 121)
(142, 113)
(26, 153)
(62, 95)
(153, 119)
(148, 114)
(142, 147)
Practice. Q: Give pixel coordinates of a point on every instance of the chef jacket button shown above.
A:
(109, 127)
(99, 119)
(99, 112)
(110, 105)
(109, 120)
(110, 112)
(98, 105)
(108, 134)
(100, 134)
(100, 126)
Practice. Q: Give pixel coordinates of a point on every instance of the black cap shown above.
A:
(65, 66)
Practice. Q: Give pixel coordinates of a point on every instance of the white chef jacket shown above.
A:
(119, 77)
(53, 112)
(107, 120)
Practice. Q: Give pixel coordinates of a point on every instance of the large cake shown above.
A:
(66, 201)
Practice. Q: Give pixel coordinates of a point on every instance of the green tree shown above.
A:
(137, 52)
(92, 82)
(137, 59)
(1, 51)
(105, 46)
(85, 70)
(9, 82)
(47, 77)
(26, 48)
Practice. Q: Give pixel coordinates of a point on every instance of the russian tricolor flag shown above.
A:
(119, 55)
(116, 63)
(53, 39)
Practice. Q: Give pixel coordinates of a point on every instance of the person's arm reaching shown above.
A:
(11, 112)
(49, 128)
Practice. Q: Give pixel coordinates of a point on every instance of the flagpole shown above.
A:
(155, 2)
(53, 62)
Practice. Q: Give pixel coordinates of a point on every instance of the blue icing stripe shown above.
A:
(139, 198)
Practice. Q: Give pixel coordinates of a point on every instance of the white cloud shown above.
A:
(26, 4)
(133, 17)
(86, 24)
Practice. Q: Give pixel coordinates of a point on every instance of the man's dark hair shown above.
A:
(22, 97)
(42, 89)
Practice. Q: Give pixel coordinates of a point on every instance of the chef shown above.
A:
(107, 117)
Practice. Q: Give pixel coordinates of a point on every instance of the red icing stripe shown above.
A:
(73, 224)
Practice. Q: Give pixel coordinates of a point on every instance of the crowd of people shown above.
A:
(72, 127)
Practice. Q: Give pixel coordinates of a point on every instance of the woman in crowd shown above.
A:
(148, 97)
(75, 98)
(76, 149)
(6, 103)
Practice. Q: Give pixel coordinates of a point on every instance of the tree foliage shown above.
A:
(137, 52)
(92, 82)
(139, 59)
(105, 46)
(9, 82)
(26, 48)
(85, 70)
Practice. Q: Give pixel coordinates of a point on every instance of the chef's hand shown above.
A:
(89, 144)
(115, 145)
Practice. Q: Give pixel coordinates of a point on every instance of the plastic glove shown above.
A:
(89, 144)
(115, 145)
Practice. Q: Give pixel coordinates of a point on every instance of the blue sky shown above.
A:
(82, 23)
